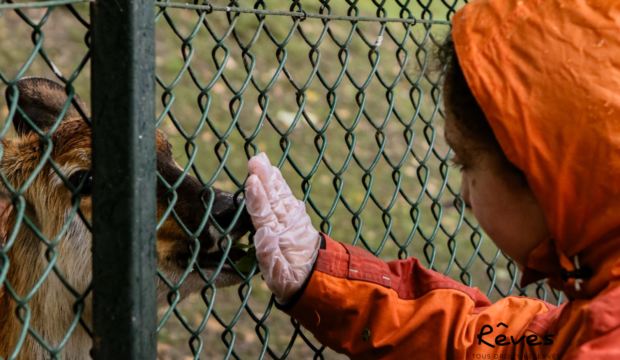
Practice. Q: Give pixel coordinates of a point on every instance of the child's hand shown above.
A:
(286, 243)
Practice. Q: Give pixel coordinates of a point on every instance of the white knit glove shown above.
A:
(287, 244)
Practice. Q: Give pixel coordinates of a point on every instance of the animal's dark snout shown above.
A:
(190, 205)
(224, 211)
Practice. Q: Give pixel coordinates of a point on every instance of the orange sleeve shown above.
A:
(366, 308)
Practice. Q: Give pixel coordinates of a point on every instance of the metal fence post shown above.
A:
(124, 179)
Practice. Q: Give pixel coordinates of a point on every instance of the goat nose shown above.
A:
(225, 215)
(244, 223)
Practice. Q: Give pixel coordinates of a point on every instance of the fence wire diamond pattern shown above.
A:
(342, 95)
(29, 39)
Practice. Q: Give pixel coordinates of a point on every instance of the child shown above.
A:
(532, 96)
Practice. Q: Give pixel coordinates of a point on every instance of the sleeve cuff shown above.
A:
(289, 305)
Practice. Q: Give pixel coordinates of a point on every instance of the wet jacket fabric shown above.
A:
(547, 75)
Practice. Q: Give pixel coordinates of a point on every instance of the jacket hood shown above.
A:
(547, 76)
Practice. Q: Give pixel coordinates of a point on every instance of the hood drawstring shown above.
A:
(578, 274)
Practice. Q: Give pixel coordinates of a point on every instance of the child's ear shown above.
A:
(42, 100)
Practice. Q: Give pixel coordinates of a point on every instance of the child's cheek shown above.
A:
(487, 201)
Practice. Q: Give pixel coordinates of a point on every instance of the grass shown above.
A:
(421, 220)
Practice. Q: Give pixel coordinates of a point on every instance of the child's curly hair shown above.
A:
(466, 114)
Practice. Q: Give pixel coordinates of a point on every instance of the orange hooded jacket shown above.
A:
(547, 75)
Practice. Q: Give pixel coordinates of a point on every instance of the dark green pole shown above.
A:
(124, 179)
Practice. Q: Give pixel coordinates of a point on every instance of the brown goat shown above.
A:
(48, 202)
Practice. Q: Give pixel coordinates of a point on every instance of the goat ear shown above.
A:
(42, 100)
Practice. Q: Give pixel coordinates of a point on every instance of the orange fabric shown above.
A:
(416, 314)
(547, 76)
(546, 73)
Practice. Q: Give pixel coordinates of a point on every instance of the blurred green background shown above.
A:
(396, 212)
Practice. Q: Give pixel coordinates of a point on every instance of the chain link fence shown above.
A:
(342, 95)
(34, 40)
